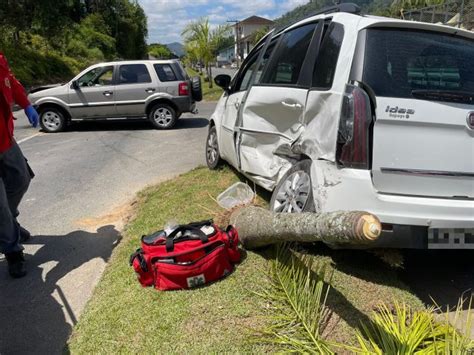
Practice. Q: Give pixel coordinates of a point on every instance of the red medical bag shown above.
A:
(190, 255)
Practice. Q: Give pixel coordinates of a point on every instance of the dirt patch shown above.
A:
(119, 217)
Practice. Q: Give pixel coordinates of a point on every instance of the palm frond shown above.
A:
(297, 299)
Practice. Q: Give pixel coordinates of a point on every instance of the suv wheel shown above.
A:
(213, 158)
(52, 120)
(196, 88)
(294, 193)
(163, 116)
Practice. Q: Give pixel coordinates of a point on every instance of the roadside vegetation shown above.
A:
(208, 94)
(47, 42)
(313, 299)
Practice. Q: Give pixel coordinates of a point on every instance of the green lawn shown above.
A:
(123, 317)
(208, 94)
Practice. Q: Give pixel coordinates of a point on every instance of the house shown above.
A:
(243, 33)
(226, 56)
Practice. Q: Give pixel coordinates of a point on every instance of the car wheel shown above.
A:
(163, 116)
(213, 158)
(52, 120)
(294, 192)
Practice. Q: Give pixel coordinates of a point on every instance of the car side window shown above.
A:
(325, 66)
(102, 76)
(133, 74)
(286, 67)
(165, 72)
(245, 76)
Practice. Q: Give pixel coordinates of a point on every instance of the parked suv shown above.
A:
(158, 89)
(347, 112)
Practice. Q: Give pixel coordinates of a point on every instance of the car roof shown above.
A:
(128, 62)
(365, 21)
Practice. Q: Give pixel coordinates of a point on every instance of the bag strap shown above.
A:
(185, 228)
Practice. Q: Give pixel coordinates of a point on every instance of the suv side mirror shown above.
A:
(223, 80)
(75, 85)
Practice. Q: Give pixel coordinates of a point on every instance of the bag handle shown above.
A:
(184, 228)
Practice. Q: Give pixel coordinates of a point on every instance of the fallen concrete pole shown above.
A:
(259, 227)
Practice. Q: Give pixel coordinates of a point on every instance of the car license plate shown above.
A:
(450, 238)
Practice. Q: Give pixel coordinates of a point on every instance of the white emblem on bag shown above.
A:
(196, 281)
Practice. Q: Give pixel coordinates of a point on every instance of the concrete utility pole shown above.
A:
(237, 40)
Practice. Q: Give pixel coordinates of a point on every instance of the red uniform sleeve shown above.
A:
(19, 93)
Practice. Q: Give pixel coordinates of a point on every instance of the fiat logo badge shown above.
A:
(470, 120)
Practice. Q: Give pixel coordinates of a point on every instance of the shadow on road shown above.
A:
(442, 276)
(31, 319)
(132, 125)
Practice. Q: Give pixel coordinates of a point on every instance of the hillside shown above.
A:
(176, 48)
(377, 7)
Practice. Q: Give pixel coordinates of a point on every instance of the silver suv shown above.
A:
(159, 90)
(348, 112)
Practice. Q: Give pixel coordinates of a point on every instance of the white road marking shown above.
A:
(28, 138)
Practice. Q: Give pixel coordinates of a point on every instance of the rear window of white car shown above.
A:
(407, 63)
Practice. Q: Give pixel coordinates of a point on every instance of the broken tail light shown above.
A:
(183, 89)
(354, 134)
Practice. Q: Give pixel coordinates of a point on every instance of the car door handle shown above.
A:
(291, 104)
(108, 93)
(150, 90)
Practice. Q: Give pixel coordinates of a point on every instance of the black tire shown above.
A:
(196, 88)
(294, 192)
(213, 158)
(163, 116)
(52, 120)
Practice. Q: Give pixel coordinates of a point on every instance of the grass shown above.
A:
(208, 94)
(123, 317)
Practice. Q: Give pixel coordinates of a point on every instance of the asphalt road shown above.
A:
(84, 179)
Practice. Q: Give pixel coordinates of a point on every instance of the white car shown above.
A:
(347, 112)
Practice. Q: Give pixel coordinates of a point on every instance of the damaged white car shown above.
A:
(347, 112)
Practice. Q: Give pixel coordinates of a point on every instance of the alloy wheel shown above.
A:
(163, 116)
(293, 193)
(212, 148)
(51, 120)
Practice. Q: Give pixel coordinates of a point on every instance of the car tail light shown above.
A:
(354, 135)
(183, 89)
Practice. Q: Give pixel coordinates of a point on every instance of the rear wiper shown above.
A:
(445, 95)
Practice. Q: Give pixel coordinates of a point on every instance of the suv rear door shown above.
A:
(133, 86)
(424, 84)
(273, 111)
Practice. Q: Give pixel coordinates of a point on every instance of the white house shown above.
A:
(243, 31)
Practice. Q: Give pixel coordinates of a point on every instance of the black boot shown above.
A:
(16, 264)
(25, 235)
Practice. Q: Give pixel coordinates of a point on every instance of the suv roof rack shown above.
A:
(348, 7)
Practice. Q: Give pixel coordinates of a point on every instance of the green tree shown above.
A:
(204, 42)
(159, 51)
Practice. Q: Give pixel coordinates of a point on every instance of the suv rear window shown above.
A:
(401, 62)
(165, 72)
(134, 74)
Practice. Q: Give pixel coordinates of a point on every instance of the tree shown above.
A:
(204, 42)
(159, 51)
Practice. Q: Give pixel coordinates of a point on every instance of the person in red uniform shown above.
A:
(15, 175)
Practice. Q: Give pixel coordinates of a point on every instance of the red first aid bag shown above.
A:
(190, 255)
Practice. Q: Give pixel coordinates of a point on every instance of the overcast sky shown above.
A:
(167, 18)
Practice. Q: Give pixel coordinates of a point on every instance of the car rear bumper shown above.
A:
(407, 218)
(184, 104)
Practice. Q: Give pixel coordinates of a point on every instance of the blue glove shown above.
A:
(32, 115)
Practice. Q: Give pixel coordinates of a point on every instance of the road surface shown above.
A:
(84, 178)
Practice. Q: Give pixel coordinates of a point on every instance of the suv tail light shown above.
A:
(183, 89)
(354, 136)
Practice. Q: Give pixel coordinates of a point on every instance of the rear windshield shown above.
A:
(402, 63)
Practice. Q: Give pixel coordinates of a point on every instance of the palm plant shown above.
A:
(298, 304)
(204, 41)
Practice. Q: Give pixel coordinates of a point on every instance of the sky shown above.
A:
(167, 18)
